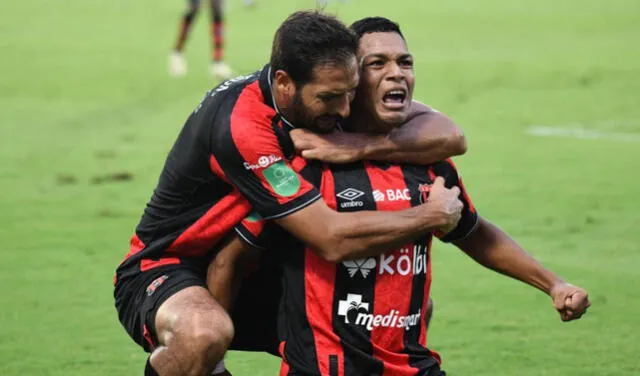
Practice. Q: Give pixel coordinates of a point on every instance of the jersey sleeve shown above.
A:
(247, 152)
(262, 234)
(256, 231)
(469, 219)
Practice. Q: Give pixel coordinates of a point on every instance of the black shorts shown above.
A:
(255, 311)
(138, 298)
(254, 315)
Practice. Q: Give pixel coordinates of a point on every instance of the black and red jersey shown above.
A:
(232, 154)
(360, 317)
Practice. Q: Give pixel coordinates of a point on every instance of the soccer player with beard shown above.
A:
(368, 316)
(234, 155)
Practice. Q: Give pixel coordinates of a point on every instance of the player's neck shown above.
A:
(364, 124)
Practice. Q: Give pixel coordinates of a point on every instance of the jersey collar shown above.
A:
(266, 87)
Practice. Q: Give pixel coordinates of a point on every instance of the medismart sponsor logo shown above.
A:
(356, 312)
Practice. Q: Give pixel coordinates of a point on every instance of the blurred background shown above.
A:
(548, 95)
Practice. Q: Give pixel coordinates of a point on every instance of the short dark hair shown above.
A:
(375, 25)
(307, 39)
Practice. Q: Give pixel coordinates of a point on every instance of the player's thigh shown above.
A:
(139, 297)
(192, 314)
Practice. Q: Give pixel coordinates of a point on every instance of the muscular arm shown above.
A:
(492, 248)
(347, 236)
(427, 137)
(224, 274)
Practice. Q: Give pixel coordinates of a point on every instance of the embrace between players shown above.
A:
(302, 199)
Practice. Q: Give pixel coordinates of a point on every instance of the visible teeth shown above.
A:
(396, 92)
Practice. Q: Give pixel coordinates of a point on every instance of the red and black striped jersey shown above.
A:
(361, 317)
(233, 154)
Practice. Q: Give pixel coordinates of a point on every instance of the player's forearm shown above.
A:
(224, 275)
(428, 138)
(367, 234)
(492, 248)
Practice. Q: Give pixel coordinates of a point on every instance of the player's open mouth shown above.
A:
(394, 99)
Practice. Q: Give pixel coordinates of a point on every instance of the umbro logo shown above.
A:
(349, 197)
(350, 194)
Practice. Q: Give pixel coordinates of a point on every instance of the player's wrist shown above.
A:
(432, 218)
(557, 285)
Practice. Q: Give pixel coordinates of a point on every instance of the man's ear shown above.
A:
(284, 84)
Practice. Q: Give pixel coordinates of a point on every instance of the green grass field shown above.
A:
(84, 96)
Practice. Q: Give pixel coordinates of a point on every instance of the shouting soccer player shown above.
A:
(368, 316)
(233, 155)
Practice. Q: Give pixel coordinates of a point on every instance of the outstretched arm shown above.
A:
(492, 248)
(427, 137)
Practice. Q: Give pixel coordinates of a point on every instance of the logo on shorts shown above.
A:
(282, 179)
(349, 196)
(153, 286)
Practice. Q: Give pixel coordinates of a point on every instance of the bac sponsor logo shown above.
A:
(405, 261)
(282, 179)
(349, 198)
(153, 286)
(391, 195)
(263, 162)
(356, 312)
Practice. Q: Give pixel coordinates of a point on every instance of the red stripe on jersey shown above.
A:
(319, 279)
(147, 264)
(462, 189)
(319, 284)
(201, 236)
(284, 368)
(432, 176)
(392, 291)
(254, 227)
(216, 169)
(298, 163)
(422, 340)
(259, 147)
(135, 245)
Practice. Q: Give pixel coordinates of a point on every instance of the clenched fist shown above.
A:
(445, 202)
(570, 301)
